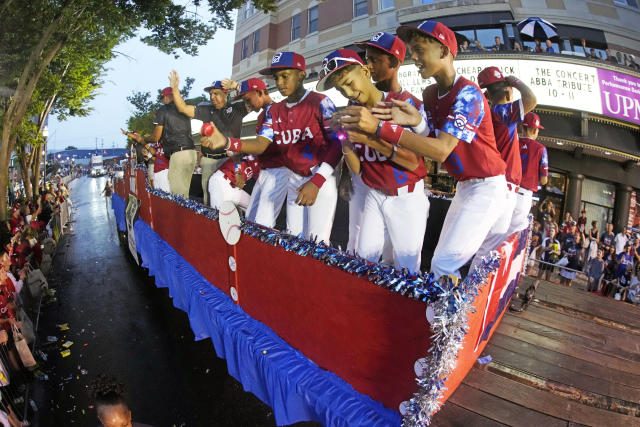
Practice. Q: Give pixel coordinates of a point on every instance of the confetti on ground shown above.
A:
(63, 327)
(67, 344)
(65, 353)
(51, 338)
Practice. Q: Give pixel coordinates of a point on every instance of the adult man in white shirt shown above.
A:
(621, 240)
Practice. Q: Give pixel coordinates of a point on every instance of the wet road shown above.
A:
(122, 325)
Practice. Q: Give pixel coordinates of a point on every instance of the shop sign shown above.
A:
(556, 84)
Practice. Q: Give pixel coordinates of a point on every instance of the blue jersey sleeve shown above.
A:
(510, 113)
(327, 109)
(544, 163)
(466, 114)
(266, 130)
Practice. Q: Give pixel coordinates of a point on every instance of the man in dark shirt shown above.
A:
(225, 116)
(606, 239)
(174, 130)
(499, 46)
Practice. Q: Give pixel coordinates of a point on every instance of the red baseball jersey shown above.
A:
(380, 173)
(249, 166)
(271, 156)
(301, 132)
(161, 163)
(535, 163)
(464, 113)
(506, 118)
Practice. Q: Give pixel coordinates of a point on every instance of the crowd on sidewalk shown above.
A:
(610, 262)
(28, 242)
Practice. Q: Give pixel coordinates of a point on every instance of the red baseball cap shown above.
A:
(389, 43)
(434, 29)
(247, 86)
(532, 120)
(336, 60)
(166, 91)
(489, 76)
(282, 60)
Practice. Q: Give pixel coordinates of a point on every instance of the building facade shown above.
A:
(588, 90)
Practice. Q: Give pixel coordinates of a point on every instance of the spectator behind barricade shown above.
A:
(566, 223)
(550, 254)
(595, 271)
(550, 48)
(582, 221)
(593, 235)
(538, 47)
(536, 231)
(174, 130)
(111, 406)
(621, 240)
(517, 47)
(624, 259)
(624, 283)
(16, 221)
(546, 208)
(571, 245)
(607, 239)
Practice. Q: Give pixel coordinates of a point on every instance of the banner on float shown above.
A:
(131, 213)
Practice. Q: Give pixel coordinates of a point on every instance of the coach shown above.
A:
(225, 116)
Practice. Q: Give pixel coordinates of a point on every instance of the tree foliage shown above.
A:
(38, 37)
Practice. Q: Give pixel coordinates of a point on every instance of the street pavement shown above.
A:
(122, 325)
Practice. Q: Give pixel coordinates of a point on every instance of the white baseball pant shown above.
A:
(356, 208)
(276, 184)
(394, 221)
(500, 230)
(520, 218)
(220, 189)
(161, 180)
(315, 220)
(473, 214)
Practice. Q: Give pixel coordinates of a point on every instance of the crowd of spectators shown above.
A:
(28, 241)
(547, 46)
(611, 262)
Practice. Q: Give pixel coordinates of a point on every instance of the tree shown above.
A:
(145, 108)
(35, 32)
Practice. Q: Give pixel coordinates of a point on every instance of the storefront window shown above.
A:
(487, 36)
(554, 192)
(597, 199)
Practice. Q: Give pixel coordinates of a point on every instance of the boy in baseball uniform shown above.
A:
(228, 182)
(506, 115)
(298, 126)
(394, 205)
(535, 165)
(461, 138)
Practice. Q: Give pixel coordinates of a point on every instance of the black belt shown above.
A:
(184, 147)
(215, 156)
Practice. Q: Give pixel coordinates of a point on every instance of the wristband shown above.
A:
(318, 180)
(391, 132)
(379, 128)
(234, 145)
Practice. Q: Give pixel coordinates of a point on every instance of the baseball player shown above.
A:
(227, 117)
(228, 182)
(460, 136)
(506, 114)
(308, 149)
(395, 207)
(385, 53)
(535, 165)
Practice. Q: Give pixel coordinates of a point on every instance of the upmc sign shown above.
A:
(556, 84)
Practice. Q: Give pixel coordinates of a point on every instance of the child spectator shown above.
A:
(595, 270)
(111, 407)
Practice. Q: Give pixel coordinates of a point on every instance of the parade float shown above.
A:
(314, 332)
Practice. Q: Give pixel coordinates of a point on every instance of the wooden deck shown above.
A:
(572, 358)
